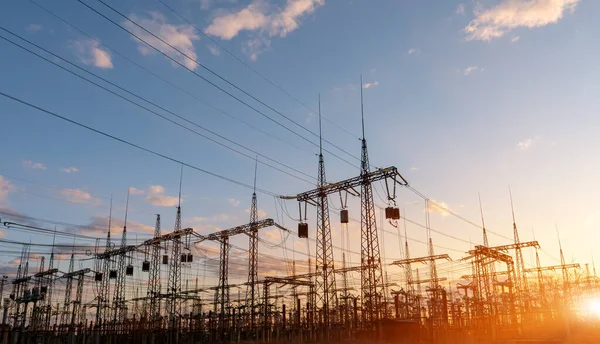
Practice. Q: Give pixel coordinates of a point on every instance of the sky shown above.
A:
(462, 97)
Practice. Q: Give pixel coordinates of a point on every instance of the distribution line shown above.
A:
(211, 82)
(254, 70)
(154, 104)
(131, 144)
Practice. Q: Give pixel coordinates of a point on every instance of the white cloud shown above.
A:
(214, 50)
(370, 84)
(89, 52)
(515, 39)
(220, 218)
(414, 168)
(205, 4)
(438, 207)
(527, 143)
(267, 20)
(471, 69)
(34, 165)
(412, 51)
(99, 225)
(234, 202)
(134, 191)
(511, 14)
(5, 188)
(181, 37)
(34, 28)
(157, 197)
(78, 196)
(460, 9)
(69, 170)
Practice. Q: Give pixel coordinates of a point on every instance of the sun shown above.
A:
(593, 307)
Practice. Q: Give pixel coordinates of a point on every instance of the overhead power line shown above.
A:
(218, 76)
(131, 144)
(254, 70)
(154, 104)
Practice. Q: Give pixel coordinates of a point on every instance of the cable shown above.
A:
(218, 76)
(254, 70)
(149, 71)
(154, 104)
(233, 181)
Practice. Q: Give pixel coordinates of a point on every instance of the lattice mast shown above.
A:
(174, 281)
(325, 279)
(252, 288)
(371, 274)
(522, 287)
(119, 295)
(68, 292)
(153, 293)
(564, 269)
(104, 290)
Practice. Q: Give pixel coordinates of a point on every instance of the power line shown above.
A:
(53, 114)
(154, 104)
(179, 88)
(245, 64)
(218, 76)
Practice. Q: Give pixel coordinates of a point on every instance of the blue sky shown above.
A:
(462, 97)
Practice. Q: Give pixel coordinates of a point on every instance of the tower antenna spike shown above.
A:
(558, 236)
(126, 211)
(362, 108)
(481, 211)
(320, 129)
(512, 208)
(180, 182)
(110, 216)
(255, 172)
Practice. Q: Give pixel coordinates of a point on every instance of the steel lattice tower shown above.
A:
(371, 275)
(222, 292)
(48, 299)
(104, 291)
(119, 295)
(174, 282)
(325, 279)
(68, 291)
(522, 287)
(251, 290)
(77, 304)
(154, 277)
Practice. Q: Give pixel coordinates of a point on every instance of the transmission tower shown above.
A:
(174, 281)
(68, 292)
(154, 277)
(104, 289)
(119, 295)
(371, 275)
(325, 279)
(251, 290)
(522, 287)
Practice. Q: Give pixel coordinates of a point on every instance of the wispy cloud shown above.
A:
(34, 165)
(214, 50)
(438, 207)
(78, 196)
(234, 202)
(460, 9)
(5, 188)
(181, 37)
(260, 212)
(34, 28)
(515, 39)
(89, 52)
(413, 51)
(156, 196)
(471, 69)
(134, 191)
(265, 20)
(370, 84)
(527, 143)
(493, 23)
(69, 170)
